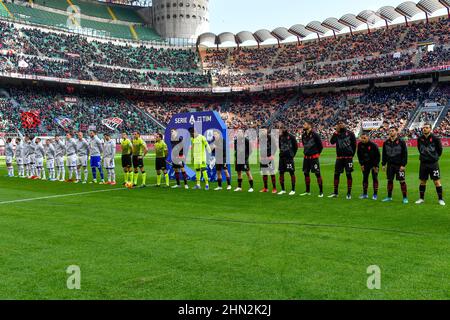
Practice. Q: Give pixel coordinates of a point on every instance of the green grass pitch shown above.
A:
(166, 244)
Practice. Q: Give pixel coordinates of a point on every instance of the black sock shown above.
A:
(422, 190)
(440, 193)
(240, 183)
(219, 182)
(251, 184)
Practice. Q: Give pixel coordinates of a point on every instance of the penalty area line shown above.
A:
(60, 196)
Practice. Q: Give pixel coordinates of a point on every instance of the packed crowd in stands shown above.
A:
(286, 109)
(37, 52)
(347, 55)
(84, 111)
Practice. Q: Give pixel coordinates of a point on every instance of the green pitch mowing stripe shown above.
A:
(177, 244)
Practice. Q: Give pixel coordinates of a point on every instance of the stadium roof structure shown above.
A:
(388, 14)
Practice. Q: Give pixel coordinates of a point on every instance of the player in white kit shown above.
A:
(20, 157)
(60, 152)
(29, 157)
(82, 158)
(9, 153)
(71, 150)
(39, 152)
(109, 154)
(50, 154)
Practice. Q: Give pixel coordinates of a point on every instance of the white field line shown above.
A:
(60, 196)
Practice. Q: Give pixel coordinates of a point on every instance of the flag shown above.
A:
(112, 123)
(63, 122)
(30, 119)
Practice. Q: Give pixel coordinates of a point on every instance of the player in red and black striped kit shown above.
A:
(313, 148)
(345, 142)
(369, 158)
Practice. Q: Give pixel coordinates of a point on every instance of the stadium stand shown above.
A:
(84, 110)
(108, 26)
(38, 51)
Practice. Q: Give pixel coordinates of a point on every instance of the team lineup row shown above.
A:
(30, 154)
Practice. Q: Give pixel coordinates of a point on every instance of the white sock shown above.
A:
(43, 173)
(113, 175)
(78, 174)
(86, 174)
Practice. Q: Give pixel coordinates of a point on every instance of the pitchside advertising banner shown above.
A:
(205, 123)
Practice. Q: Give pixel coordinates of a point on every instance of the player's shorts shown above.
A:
(9, 160)
(109, 163)
(82, 161)
(59, 162)
(343, 165)
(311, 165)
(32, 159)
(221, 167)
(160, 164)
(430, 170)
(50, 163)
(178, 163)
(39, 162)
(268, 168)
(71, 161)
(26, 161)
(96, 162)
(242, 167)
(368, 168)
(19, 161)
(286, 165)
(200, 166)
(138, 162)
(126, 161)
(393, 172)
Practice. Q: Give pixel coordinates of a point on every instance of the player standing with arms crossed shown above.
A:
(312, 149)
(288, 150)
(9, 153)
(96, 151)
(60, 152)
(242, 151)
(71, 160)
(178, 159)
(199, 147)
(369, 158)
(395, 159)
(430, 149)
(82, 158)
(162, 152)
(109, 154)
(127, 151)
(139, 152)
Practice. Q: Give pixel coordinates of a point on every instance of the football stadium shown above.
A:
(145, 157)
